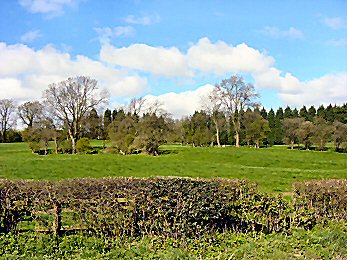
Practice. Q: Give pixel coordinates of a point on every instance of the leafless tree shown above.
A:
(70, 100)
(213, 106)
(30, 112)
(7, 120)
(236, 96)
(135, 106)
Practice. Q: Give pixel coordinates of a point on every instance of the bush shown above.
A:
(83, 146)
(34, 147)
(317, 201)
(66, 146)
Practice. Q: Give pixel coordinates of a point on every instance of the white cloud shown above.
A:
(183, 103)
(329, 89)
(25, 73)
(30, 36)
(50, 7)
(142, 20)
(291, 33)
(221, 58)
(157, 60)
(335, 22)
(337, 42)
(106, 33)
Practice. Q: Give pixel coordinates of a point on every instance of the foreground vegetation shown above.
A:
(273, 169)
(322, 242)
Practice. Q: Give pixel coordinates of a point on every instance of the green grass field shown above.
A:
(274, 169)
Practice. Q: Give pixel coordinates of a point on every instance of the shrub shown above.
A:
(66, 146)
(83, 146)
(316, 201)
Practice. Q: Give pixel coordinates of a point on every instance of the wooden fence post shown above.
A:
(57, 218)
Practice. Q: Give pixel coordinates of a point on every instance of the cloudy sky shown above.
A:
(294, 52)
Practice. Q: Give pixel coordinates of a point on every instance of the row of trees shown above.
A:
(229, 115)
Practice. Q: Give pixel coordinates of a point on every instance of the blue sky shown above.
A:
(294, 52)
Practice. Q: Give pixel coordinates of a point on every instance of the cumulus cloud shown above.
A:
(142, 20)
(335, 22)
(49, 7)
(324, 90)
(30, 36)
(183, 103)
(25, 73)
(221, 58)
(275, 32)
(157, 60)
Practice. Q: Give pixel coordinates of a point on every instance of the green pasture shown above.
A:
(274, 168)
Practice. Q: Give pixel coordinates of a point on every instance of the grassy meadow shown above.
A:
(274, 168)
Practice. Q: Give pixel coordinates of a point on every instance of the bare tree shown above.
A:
(70, 100)
(212, 105)
(7, 120)
(135, 106)
(30, 112)
(236, 96)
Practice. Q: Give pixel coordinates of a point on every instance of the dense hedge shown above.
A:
(318, 201)
(173, 207)
(169, 207)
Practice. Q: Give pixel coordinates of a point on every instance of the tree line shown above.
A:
(230, 115)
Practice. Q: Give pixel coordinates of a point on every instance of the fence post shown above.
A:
(57, 218)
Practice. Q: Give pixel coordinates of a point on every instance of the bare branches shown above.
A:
(70, 100)
(30, 112)
(7, 109)
(235, 95)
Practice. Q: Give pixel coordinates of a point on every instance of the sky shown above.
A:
(293, 52)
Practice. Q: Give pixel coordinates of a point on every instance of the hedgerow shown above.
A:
(177, 208)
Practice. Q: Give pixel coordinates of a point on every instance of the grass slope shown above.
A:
(274, 169)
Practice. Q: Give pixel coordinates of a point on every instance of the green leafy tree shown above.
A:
(288, 113)
(83, 146)
(322, 132)
(152, 132)
(263, 113)
(279, 131)
(321, 111)
(107, 119)
(311, 113)
(339, 134)
(291, 127)
(256, 128)
(271, 120)
(295, 113)
(305, 134)
(329, 114)
(122, 133)
(304, 113)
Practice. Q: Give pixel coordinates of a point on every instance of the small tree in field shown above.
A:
(322, 132)
(256, 127)
(305, 134)
(291, 127)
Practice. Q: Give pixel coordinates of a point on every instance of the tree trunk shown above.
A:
(217, 132)
(292, 144)
(56, 145)
(237, 138)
